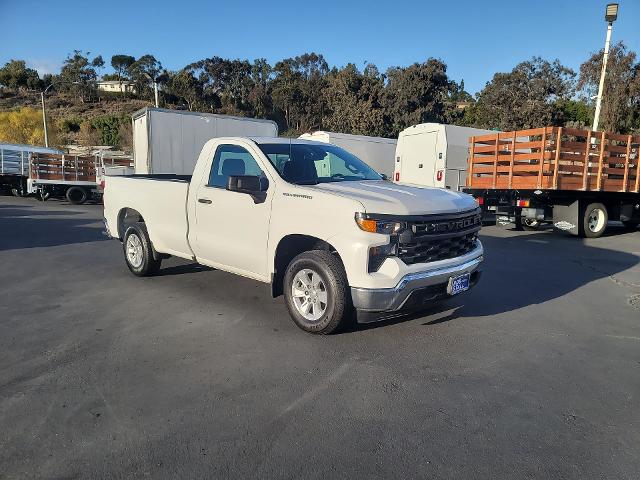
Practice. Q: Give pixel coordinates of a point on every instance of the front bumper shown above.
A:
(414, 289)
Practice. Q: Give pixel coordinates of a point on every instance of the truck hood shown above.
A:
(389, 198)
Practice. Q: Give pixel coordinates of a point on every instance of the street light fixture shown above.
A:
(610, 15)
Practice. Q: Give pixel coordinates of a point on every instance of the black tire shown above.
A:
(531, 224)
(147, 265)
(77, 195)
(593, 221)
(43, 195)
(338, 308)
(19, 192)
(631, 224)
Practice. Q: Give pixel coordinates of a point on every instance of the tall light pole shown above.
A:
(610, 15)
(154, 80)
(44, 115)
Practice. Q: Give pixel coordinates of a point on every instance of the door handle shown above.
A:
(205, 200)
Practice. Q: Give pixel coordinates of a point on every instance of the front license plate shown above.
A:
(458, 284)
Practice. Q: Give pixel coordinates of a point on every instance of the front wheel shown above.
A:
(316, 292)
(138, 251)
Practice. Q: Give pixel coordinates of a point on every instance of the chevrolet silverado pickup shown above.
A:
(314, 221)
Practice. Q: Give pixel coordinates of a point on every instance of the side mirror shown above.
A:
(251, 185)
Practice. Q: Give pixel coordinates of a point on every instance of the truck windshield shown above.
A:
(310, 164)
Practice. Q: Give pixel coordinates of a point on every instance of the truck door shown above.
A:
(418, 160)
(231, 231)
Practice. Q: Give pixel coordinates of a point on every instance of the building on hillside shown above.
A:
(117, 86)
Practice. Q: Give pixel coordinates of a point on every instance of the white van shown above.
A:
(434, 155)
(377, 152)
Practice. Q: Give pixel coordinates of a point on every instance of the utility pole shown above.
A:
(44, 119)
(155, 92)
(611, 14)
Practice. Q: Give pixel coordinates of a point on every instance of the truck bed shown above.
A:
(70, 169)
(160, 199)
(555, 158)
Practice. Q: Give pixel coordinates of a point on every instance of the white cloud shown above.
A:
(44, 66)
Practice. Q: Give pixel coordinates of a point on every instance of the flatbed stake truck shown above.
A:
(575, 179)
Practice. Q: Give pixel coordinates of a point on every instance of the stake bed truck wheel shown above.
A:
(531, 224)
(19, 192)
(138, 252)
(77, 195)
(316, 292)
(594, 220)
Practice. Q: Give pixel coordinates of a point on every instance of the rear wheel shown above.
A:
(316, 292)
(594, 220)
(138, 251)
(77, 195)
(19, 192)
(42, 195)
(531, 224)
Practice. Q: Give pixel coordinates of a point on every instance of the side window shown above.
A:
(231, 160)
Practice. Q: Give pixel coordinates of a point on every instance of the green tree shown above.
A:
(576, 113)
(416, 94)
(353, 101)
(17, 76)
(186, 87)
(620, 111)
(108, 128)
(144, 72)
(526, 97)
(298, 86)
(121, 64)
(79, 74)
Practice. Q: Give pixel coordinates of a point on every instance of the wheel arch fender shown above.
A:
(287, 248)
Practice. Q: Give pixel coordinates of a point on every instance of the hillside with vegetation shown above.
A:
(304, 93)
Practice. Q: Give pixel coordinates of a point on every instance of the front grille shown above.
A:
(434, 238)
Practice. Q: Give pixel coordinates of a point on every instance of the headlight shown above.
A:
(374, 225)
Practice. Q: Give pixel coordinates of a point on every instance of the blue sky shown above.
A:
(474, 38)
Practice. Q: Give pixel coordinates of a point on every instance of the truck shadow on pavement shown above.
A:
(183, 269)
(26, 227)
(524, 270)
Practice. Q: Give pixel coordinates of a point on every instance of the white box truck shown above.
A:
(434, 155)
(377, 152)
(169, 141)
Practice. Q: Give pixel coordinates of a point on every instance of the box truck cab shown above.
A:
(433, 155)
(377, 152)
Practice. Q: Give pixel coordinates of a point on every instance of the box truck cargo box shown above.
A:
(169, 141)
(377, 152)
(434, 155)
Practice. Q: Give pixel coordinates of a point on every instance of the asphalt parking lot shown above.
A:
(197, 373)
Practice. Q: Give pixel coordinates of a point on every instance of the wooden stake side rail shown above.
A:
(555, 158)
(69, 168)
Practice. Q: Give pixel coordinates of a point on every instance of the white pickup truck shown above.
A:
(309, 218)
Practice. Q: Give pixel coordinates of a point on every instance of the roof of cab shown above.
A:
(285, 140)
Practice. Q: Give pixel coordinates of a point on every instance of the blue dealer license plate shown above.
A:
(458, 284)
